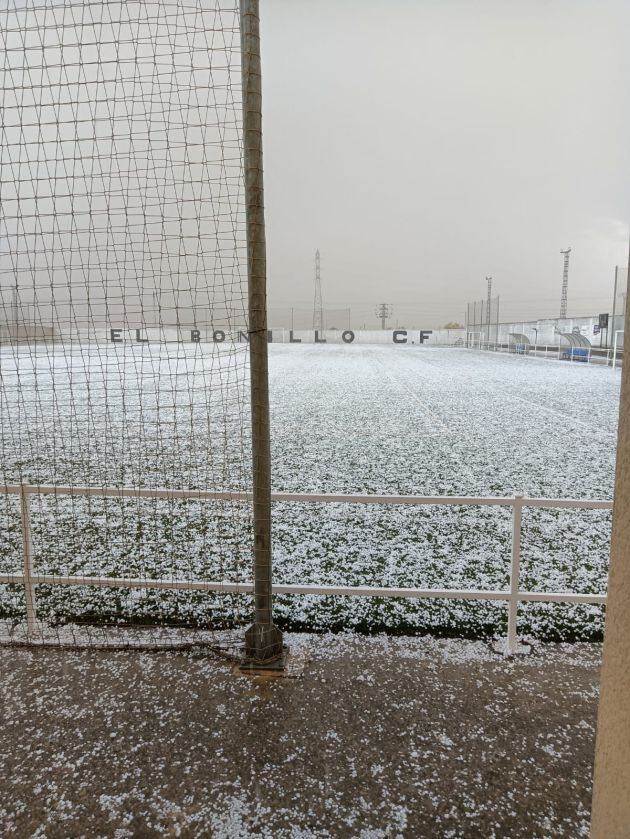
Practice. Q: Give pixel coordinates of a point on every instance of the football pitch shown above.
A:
(345, 419)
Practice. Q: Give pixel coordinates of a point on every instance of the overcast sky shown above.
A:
(422, 144)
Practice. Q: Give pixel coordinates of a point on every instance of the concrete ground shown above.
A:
(378, 737)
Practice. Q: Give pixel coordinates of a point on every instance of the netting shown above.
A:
(123, 323)
(482, 323)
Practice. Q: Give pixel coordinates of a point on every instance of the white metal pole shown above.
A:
(614, 311)
(617, 333)
(515, 573)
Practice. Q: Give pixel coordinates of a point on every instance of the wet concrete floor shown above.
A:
(375, 737)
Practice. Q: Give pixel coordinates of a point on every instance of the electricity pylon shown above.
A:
(384, 311)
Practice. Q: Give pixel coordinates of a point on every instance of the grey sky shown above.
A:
(423, 144)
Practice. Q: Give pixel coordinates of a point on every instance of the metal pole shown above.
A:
(515, 572)
(263, 641)
(498, 302)
(489, 308)
(615, 344)
(614, 311)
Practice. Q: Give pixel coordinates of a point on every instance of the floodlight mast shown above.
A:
(263, 641)
(565, 284)
(488, 305)
(318, 306)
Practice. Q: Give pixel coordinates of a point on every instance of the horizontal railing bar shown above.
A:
(419, 500)
(405, 593)
(132, 582)
(413, 500)
(137, 492)
(574, 503)
(290, 588)
(438, 500)
(309, 498)
(561, 597)
(9, 579)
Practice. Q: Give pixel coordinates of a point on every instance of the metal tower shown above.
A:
(384, 311)
(489, 301)
(318, 309)
(565, 284)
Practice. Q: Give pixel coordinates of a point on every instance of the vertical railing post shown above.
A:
(614, 313)
(27, 562)
(616, 345)
(263, 641)
(515, 573)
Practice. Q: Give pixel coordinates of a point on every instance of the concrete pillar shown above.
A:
(611, 793)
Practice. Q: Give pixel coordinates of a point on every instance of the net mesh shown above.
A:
(482, 322)
(123, 298)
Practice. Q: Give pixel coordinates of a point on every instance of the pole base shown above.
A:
(263, 646)
(277, 668)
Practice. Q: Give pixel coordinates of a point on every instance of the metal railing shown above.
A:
(602, 356)
(513, 596)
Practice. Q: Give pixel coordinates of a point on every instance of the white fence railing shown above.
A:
(602, 356)
(513, 596)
